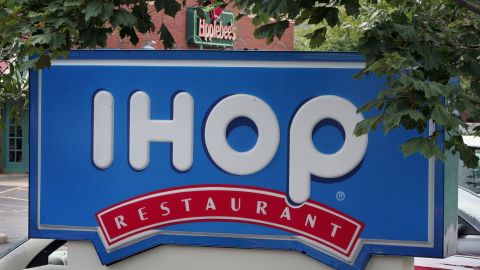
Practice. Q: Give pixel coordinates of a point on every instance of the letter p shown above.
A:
(305, 160)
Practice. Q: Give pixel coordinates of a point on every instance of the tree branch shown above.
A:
(468, 5)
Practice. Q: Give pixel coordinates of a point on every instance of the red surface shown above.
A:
(312, 220)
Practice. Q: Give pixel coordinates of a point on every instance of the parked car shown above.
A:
(45, 254)
(468, 245)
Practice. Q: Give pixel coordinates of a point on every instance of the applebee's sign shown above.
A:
(264, 157)
(215, 28)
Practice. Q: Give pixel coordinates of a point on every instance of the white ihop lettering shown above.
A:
(305, 160)
(227, 110)
(178, 131)
(103, 129)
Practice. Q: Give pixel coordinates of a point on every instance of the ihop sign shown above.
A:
(133, 149)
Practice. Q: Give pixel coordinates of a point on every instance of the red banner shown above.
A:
(319, 223)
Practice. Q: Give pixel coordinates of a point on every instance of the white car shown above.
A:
(468, 245)
(36, 254)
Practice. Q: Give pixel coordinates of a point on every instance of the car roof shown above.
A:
(468, 206)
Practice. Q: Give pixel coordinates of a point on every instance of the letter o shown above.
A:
(260, 155)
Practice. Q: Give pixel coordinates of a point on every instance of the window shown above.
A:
(15, 143)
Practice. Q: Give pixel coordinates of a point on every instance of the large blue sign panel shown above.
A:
(134, 149)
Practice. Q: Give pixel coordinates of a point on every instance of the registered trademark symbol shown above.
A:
(340, 196)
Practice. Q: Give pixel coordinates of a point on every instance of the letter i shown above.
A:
(103, 129)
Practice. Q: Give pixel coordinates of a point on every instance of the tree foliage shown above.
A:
(428, 51)
(425, 50)
(343, 37)
(32, 32)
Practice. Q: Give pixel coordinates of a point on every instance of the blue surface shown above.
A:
(387, 192)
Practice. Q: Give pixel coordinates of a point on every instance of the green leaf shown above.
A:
(260, 19)
(54, 40)
(57, 22)
(318, 14)
(56, 54)
(467, 155)
(376, 103)
(389, 63)
(93, 9)
(432, 89)
(440, 115)
(407, 32)
(130, 32)
(57, 41)
(425, 146)
(27, 64)
(393, 121)
(166, 37)
(415, 115)
(43, 61)
(144, 20)
(380, 67)
(430, 56)
(277, 9)
(445, 118)
(200, 13)
(332, 17)
(171, 7)
(271, 30)
(108, 9)
(352, 7)
(317, 37)
(40, 39)
(364, 126)
(122, 17)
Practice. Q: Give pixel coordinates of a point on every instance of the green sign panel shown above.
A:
(207, 31)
